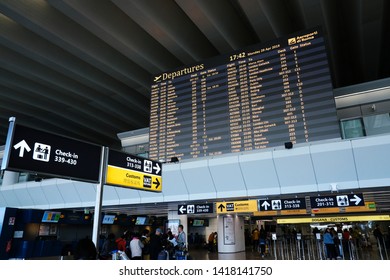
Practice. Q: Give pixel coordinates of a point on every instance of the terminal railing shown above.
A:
(310, 248)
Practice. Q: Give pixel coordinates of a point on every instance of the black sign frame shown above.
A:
(133, 162)
(204, 208)
(43, 153)
(282, 204)
(340, 200)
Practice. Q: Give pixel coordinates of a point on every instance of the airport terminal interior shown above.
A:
(226, 129)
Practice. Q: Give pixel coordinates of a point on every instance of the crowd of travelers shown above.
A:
(134, 245)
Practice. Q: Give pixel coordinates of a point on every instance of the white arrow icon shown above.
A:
(356, 199)
(182, 208)
(157, 168)
(22, 145)
(265, 205)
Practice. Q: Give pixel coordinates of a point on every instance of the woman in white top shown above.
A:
(136, 247)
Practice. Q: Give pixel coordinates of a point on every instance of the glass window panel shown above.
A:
(352, 128)
(377, 124)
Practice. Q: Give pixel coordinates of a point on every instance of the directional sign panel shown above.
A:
(237, 206)
(282, 204)
(337, 201)
(131, 171)
(40, 152)
(206, 208)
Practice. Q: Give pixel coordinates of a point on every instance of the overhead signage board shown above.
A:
(282, 204)
(35, 151)
(337, 201)
(237, 206)
(206, 208)
(135, 172)
(333, 219)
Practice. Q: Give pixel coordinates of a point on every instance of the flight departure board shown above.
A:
(255, 98)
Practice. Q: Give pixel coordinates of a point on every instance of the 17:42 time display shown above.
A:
(237, 56)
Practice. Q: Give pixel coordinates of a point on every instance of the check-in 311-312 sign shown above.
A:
(342, 200)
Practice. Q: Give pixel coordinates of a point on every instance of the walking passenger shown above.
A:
(329, 245)
(262, 240)
(211, 242)
(255, 239)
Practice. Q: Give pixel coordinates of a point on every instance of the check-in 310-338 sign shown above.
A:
(131, 171)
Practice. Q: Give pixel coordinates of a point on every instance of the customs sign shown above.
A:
(131, 171)
(237, 206)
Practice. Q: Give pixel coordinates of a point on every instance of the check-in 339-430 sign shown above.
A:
(40, 152)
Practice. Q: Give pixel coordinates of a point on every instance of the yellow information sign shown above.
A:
(237, 206)
(334, 219)
(133, 179)
(294, 212)
(127, 170)
(368, 206)
(265, 213)
(325, 210)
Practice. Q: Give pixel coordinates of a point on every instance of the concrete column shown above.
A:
(231, 234)
(10, 178)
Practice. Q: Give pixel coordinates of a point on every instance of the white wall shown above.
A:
(315, 167)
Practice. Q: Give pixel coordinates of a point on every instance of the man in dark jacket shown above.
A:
(155, 244)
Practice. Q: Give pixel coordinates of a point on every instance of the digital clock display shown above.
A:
(255, 98)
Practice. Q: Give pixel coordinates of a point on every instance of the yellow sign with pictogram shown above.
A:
(129, 178)
(237, 206)
(126, 170)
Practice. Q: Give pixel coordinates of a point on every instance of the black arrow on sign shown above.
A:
(221, 207)
(157, 183)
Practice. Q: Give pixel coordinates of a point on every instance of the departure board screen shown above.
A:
(255, 98)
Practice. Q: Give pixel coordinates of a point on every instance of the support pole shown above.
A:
(99, 198)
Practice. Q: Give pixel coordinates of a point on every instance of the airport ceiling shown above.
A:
(83, 68)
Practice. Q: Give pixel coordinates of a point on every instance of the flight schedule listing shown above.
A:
(255, 98)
